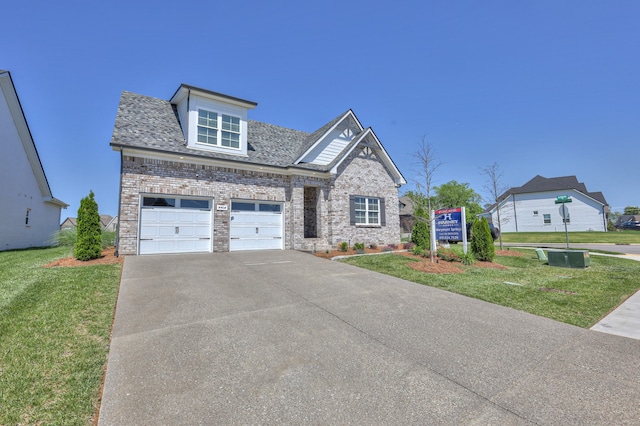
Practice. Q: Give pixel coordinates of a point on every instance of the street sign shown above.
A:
(561, 199)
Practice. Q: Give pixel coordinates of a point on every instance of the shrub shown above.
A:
(358, 246)
(108, 238)
(387, 248)
(418, 251)
(481, 242)
(467, 258)
(420, 235)
(89, 235)
(408, 246)
(373, 246)
(343, 246)
(64, 238)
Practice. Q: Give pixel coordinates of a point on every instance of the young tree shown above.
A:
(426, 164)
(495, 188)
(89, 235)
(481, 242)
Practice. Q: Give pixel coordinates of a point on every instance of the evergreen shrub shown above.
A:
(88, 232)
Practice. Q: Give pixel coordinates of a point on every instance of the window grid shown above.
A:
(225, 133)
(367, 211)
(547, 219)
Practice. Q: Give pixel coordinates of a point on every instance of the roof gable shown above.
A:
(325, 144)
(10, 95)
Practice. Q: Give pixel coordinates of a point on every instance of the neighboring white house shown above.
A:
(532, 207)
(30, 214)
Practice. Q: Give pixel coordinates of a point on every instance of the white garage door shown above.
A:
(256, 226)
(173, 225)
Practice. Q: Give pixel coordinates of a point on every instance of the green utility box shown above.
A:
(569, 258)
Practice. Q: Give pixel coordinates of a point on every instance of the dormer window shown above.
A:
(212, 121)
(218, 129)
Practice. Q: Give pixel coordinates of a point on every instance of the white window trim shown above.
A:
(367, 210)
(221, 109)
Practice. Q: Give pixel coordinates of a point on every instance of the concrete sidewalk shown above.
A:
(285, 337)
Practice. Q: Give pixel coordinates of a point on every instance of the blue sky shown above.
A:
(539, 87)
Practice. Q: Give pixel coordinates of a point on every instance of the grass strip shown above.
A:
(54, 337)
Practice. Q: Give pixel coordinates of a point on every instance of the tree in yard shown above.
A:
(89, 235)
(453, 194)
(426, 165)
(495, 188)
(631, 210)
(481, 242)
(420, 235)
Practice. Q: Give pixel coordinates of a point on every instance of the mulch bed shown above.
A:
(108, 258)
(423, 264)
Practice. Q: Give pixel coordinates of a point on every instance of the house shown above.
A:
(532, 207)
(407, 220)
(69, 223)
(199, 176)
(107, 223)
(30, 214)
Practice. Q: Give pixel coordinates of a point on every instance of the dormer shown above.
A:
(212, 121)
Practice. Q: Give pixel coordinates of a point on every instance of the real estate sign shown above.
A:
(449, 224)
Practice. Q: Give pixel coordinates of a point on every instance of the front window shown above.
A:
(218, 129)
(367, 211)
(547, 219)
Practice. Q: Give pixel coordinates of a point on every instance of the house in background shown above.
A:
(407, 220)
(107, 223)
(30, 214)
(532, 207)
(198, 176)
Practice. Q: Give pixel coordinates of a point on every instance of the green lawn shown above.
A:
(616, 237)
(54, 337)
(575, 296)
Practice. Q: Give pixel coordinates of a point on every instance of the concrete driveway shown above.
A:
(282, 337)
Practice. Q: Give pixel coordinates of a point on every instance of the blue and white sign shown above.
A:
(449, 225)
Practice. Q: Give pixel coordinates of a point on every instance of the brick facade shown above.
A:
(360, 174)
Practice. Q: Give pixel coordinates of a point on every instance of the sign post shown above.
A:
(564, 199)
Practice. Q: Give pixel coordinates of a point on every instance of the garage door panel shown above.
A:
(256, 230)
(174, 230)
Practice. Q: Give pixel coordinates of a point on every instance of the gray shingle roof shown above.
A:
(543, 184)
(152, 124)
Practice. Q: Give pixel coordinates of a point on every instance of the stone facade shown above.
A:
(361, 173)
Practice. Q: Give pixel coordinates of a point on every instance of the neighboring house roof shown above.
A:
(152, 124)
(542, 184)
(105, 220)
(70, 221)
(628, 218)
(406, 206)
(17, 113)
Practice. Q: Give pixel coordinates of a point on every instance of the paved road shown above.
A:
(283, 337)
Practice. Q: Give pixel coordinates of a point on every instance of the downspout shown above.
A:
(515, 212)
(117, 241)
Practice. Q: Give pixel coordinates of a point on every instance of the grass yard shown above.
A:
(54, 337)
(615, 237)
(575, 296)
